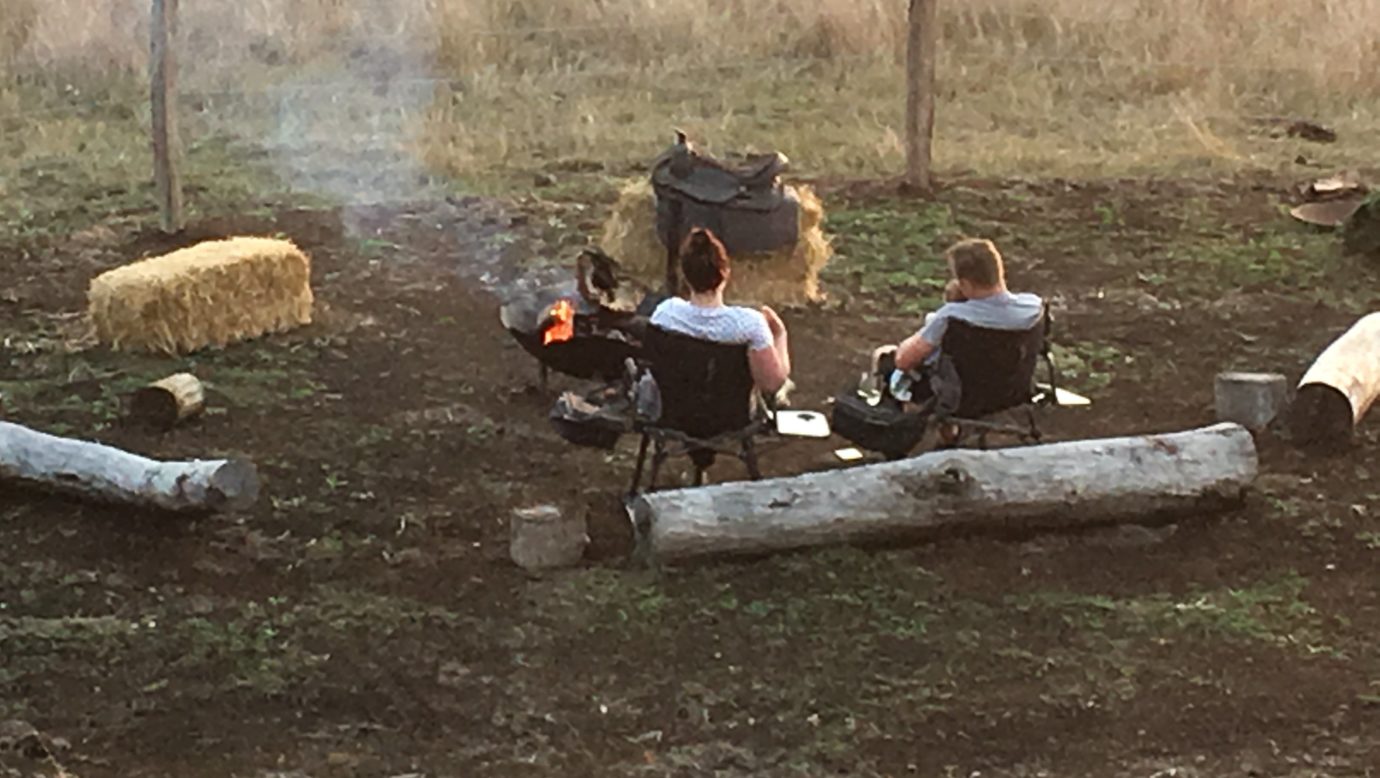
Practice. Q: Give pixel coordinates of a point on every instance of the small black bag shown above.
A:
(579, 422)
(885, 428)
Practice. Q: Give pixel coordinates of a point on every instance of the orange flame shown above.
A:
(562, 326)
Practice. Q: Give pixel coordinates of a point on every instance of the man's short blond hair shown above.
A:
(977, 261)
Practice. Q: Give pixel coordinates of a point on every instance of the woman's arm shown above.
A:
(780, 342)
(768, 372)
(769, 355)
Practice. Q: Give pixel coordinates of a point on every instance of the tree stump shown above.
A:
(1335, 393)
(166, 403)
(543, 538)
(1252, 400)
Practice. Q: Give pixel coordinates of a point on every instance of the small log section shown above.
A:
(922, 43)
(1252, 400)
(1339, 388)
(106, 474)
(167, 149)
(542, 538)
(1142, 479)
(164, 404)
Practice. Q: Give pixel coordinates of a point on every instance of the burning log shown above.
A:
(108, 474)
(1063, 485)
(163, 404)
(1340, 387)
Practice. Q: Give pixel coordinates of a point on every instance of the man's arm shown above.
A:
(913, 352)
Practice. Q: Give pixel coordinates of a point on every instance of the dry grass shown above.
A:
(1059, 86)
(211, 294)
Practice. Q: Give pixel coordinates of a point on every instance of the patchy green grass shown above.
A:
(830, 656)
(264, 646)
(93, 385)
(893, 255)
(1282, 256)
(1088, 367)
(868, 616)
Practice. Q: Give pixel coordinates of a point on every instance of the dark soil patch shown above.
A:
(364, 619)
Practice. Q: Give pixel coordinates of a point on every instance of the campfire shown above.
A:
(562, 323)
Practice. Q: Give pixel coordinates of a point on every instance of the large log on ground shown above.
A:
(1340, 387)
(1064, 485)
(108, 474)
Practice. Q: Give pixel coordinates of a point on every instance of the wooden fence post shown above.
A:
(163, 99)
(922, 41)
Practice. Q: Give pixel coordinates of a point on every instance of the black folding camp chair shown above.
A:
(984, 374)
(708, 405)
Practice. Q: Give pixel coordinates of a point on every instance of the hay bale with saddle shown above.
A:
(211, 294)
(773, 231)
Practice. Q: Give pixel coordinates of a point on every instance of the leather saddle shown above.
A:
(745, 205)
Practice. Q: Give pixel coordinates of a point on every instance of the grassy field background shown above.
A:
(487, 90)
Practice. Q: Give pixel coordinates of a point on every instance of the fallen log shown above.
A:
(1335, 393)
(1141, 479)
(106, 474)
(166, 403)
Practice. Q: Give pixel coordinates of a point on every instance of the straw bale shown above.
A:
(211, 294)
(787, 276)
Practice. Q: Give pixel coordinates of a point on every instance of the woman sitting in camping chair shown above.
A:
(704, 263)
(711, 366)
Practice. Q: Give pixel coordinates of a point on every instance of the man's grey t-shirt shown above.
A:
(1002, 311)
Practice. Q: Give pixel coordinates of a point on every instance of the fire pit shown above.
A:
(566, 334)
(585, 329)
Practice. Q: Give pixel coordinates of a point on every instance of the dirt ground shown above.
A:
(364, 619)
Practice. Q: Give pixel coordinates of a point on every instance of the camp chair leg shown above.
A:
(1053, 379)
(1035, 434)
(750, 459)
(950, 434)
(541, 376)
(658, 459)
(699, 476)
(641, 460)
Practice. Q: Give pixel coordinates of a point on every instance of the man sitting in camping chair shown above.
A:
(713, 365)
(976, 355)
